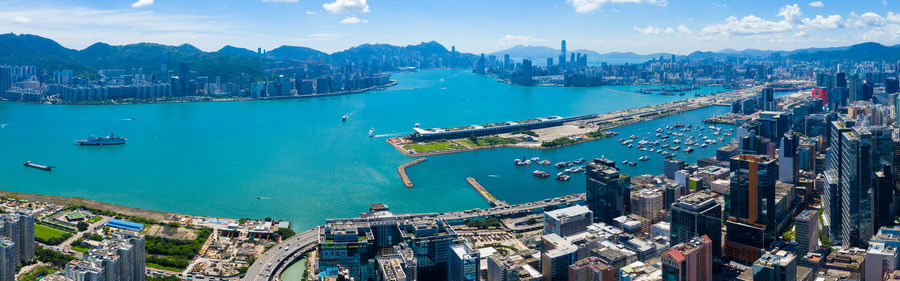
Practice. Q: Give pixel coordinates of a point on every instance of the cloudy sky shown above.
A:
(642, 26)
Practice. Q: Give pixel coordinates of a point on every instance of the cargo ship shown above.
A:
(36, 166)
(112, 139)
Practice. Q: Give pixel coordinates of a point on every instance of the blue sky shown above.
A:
(642, 26)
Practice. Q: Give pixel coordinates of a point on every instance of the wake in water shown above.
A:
(494, 176)
(263, 198)
(388, 135)
(3, 125)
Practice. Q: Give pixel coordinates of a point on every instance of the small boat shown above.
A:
(560, 164)
(562, 177)
(579, 161)
(544, 162)
(689, 149)
(36, 166)
(371, 132)
(624, 161)
(540, 174)
(702, 145)
(535, 159)
(643, 158)
(632, 163)
(344, 118)
(527, 162)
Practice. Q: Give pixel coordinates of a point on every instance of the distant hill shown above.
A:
(232, 50)
(865, 51)
(228, 62)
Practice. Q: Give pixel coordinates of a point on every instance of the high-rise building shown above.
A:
(787, 158)
(591, 269)
(119, 258)
(5, 78)
(9, 259)
(767, 99)
(464, 264)
(694, 215)
(500, 268)
(751, 211)
(881, 261)
(562, 56)
(355, 244)
(775, 265)
(647, 203)
(806, 232)
(568, 221)
(688, 261)
(608, 191)
(670, 166)
(19, 228)
(556, 255)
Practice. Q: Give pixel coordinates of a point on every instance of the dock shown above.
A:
(493, 201)
(402, 171)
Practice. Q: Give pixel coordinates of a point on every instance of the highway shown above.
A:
(272, 262)
(269, 266)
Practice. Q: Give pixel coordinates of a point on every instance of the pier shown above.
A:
(402, 171)
(493, 201)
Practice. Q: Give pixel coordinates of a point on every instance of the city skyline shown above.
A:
(330, 26)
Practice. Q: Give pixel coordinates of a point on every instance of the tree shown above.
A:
(532, 221)
(82, 226)
(473, 139)
(286, 233)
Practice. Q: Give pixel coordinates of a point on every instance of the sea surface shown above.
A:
(296, 160)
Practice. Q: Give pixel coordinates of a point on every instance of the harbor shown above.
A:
(493, 201)
(550, 132)
(402, 171)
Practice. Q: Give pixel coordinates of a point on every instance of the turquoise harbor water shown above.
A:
(306, 165)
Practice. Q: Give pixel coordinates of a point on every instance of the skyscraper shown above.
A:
(751, 222)
(694, 215)
(562, 56)
(806, 227)
(688, 261)
(865, 150)
(568, 221)
(19, 228)
(777, 265)
(119, 258)
(9, 259)
(556, 256)
(608, 191)
(787, 158)
(767, 99)
(464, 265)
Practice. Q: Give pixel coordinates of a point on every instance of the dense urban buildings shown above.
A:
(608, 191)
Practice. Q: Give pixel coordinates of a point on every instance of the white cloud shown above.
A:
(21, 19)
(684, 29)
(868, 19)
(649, 30)
(822, 23)
(353, 20)
(790, 13)
(719, 5)
(587, 6)
(817, 4)
(312, 12)
(748, 25)
(347, 6)
(891, 16)
(513, 40)
(142, 3)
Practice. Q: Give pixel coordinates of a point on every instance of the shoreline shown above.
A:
(205, 99)
(76, 201)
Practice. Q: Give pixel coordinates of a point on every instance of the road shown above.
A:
(272, 262)
(268, 267)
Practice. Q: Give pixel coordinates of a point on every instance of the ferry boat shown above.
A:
(540, 174)
(112, 139)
